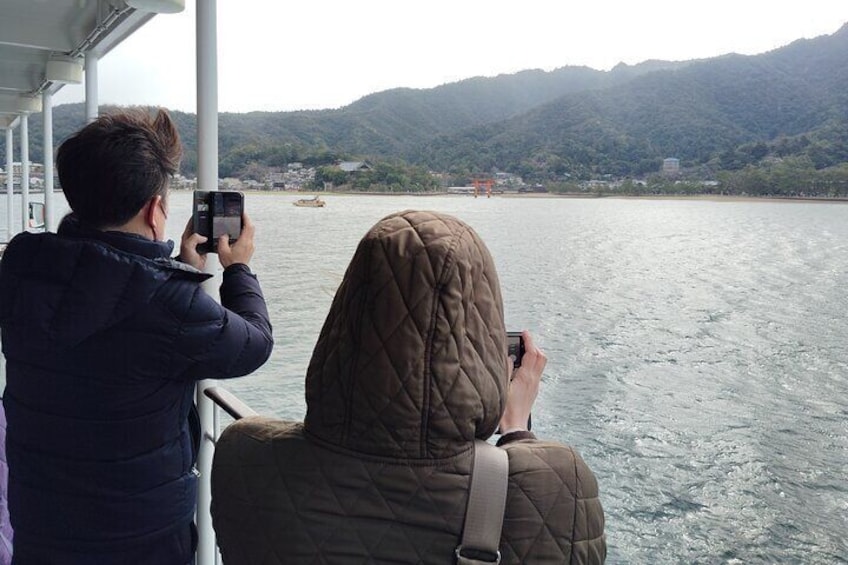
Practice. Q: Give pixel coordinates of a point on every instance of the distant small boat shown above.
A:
(315, 202)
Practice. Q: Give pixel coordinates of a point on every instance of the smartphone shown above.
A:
(216, 213)
(515, 347)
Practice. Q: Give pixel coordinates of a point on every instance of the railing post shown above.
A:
(207, 551)
(47, 159)
(10, 183)
(24, 171)
(207, 179)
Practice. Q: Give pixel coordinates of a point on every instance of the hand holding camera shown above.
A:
(523, 386)
(217, 213)
(515, 348)
(242, 250)
(188, 247)
(218, 225)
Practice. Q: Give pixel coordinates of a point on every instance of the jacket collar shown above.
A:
(129, 242)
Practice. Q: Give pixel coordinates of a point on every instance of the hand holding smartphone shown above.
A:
(216, 213)
(515, 347)
(524, 384)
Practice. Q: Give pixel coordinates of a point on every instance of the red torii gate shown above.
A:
(480, 182)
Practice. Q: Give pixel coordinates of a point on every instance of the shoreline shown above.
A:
(574, 195)
(577, 196)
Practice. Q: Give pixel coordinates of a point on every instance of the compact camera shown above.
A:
(515, 347)
(216, 213)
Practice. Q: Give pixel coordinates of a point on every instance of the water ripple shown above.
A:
(697, 354)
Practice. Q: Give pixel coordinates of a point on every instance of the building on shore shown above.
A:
(671, 166)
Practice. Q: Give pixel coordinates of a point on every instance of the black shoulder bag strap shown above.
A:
(481, 533)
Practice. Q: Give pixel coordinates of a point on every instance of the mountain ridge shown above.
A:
(571, 122)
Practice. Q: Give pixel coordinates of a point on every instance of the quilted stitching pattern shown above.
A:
(553, 513)
(409, 368)
(281, 497)
(410, 361)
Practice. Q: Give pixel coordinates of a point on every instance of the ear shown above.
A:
(150, 213)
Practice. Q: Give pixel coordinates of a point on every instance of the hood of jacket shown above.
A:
(411, 360)
(62, 288)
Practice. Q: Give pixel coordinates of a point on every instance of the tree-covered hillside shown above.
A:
(390, 125)
(723, 115)
(711, 112)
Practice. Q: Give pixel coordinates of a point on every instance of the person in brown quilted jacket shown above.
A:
(410, 367)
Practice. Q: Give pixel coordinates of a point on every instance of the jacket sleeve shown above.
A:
(589, 541)
(506, 439)
(553, 511)
(231, 339)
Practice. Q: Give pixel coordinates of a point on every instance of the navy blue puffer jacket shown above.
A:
(104, 338)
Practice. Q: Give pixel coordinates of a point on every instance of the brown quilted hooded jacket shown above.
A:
(409, 369)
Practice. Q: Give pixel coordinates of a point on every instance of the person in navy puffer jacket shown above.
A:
(6, 533)
(105, 337)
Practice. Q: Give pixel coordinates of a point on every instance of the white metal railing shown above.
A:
(214, 399)
(207, 551)
(206, 37)
(229, 403)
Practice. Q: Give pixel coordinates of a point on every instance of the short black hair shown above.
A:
(110, 168)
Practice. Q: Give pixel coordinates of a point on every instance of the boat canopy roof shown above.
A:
(43, 43)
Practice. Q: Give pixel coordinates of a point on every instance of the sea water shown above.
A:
(697, 353)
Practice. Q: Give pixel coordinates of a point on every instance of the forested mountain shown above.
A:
(710, 112)
(389, 124)
(714, 114)
(397, 123)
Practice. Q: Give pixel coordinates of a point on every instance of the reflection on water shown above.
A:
(698, 353)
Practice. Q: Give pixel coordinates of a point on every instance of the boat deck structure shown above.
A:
(45, 45)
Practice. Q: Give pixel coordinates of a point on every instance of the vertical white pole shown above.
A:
(9, 218)
(47, 112)
(207, 96)
(207, 179)
(24, 171)
(91, 102)
(10, 183)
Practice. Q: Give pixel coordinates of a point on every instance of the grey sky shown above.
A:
(279, 55)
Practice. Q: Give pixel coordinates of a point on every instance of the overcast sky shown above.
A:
(294, 55)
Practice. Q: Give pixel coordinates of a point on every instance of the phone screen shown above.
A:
(226, 215)
(515, 347)
(217, 213)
